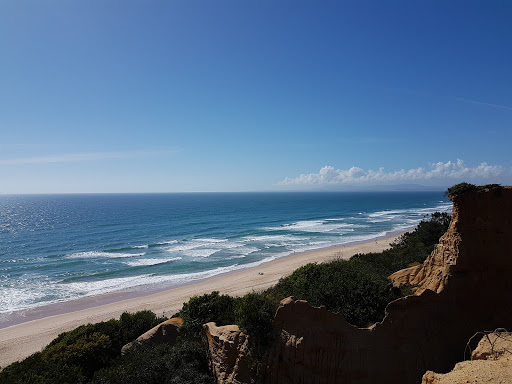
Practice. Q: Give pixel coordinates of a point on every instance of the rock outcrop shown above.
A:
(463, 287)
(228, 350)
(491, 362)
(434, 273)
(165, 332)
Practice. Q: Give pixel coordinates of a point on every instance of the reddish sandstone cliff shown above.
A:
(463, 287)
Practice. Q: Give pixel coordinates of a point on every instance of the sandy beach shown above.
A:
(21, 340)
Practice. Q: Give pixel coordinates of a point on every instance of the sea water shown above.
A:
(56, 248)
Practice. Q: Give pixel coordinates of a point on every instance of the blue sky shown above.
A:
(173, 96)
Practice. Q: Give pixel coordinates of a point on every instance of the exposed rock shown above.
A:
(433, 274)
(163, 333)
(491, 363)
(463, 287)
(495, 346)
(228, 349)
(481, 224)
(405, 276)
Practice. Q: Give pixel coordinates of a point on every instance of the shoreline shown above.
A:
(32, 331)
(57, 308)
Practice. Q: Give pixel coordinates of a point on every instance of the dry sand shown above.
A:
(21, 340)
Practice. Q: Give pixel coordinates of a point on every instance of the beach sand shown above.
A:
(19, 341)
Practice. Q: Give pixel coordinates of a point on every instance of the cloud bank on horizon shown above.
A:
(449, 172)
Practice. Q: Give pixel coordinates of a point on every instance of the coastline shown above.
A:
(24, 338)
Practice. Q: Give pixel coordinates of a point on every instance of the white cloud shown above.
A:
(438, 172)
(79, 157)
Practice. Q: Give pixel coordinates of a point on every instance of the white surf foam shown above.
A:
(273, 238)
(200, 252)
(210, 240)
(241, 252)
(318, 226)
(186, 245)
(245, 251)
(93, 288)
(148, 262)
(15, 298)
(92, 254)
(167, 242)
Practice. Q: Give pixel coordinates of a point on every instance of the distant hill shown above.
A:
(387, 188)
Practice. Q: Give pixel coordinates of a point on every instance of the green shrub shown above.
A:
(74, 356)
(90, 353)
(341, 286)
(35, 369)
(255, 315)
(183, 363)
(462, 188)
(127, 328)
(203, 309)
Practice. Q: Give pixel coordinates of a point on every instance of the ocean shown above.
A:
(57, 248)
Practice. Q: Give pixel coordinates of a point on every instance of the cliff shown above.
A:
(228, 349)
(463, 287)
(481, 224)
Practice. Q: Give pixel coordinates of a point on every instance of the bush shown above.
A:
(35, 369)
(462, 188)
(183, 363)
(203, 309)
(74, 356)
(126, 329)
(255, 315)
(341, 286)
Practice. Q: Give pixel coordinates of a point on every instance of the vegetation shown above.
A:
(358, 288)
(255, 315)
(410, 248)
(342, 286)
(462, 188)
(183, 363)
(203, 309)
(74, 357)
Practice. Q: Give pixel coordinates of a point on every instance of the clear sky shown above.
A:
(253, 95)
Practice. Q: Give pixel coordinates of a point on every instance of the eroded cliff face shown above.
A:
(481, 225)
(228, 352)
(463, 287)
(491, 362)
(435, 272)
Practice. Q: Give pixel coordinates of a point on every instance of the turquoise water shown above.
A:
(55, 248)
